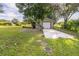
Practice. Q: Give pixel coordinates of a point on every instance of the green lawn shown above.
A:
(64, 47)
(15, 42)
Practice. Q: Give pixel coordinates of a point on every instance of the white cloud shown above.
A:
(75, 16)
(10, 12)
(12, 5)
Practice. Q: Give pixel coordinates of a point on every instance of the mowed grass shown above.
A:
(15, 42)
(64, 47)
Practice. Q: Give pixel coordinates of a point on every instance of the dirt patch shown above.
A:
(45, 47)
(28, 30)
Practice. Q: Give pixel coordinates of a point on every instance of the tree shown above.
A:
(67, 10)
(15, 21)
(55, 13)
(35, 12)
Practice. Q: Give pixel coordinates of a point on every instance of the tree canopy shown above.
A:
(38, 11)
(35, 11)
(67, 10)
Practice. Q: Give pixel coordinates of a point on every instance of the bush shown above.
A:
(73, 25)
(5, 23)
(25, 26)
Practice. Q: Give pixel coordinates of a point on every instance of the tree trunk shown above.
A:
(39, 26)
(53, 23)
(65, 23)
(33, 25)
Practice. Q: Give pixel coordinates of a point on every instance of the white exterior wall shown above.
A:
(46, 25)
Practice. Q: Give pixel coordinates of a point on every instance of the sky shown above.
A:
(11, 11)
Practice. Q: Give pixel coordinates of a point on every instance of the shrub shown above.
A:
(5, 23)
(73, 25)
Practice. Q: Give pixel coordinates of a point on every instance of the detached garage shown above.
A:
(47, 23)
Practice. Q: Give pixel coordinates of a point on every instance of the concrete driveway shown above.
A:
(51, 33)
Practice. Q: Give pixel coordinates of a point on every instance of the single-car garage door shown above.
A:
(46, 25)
